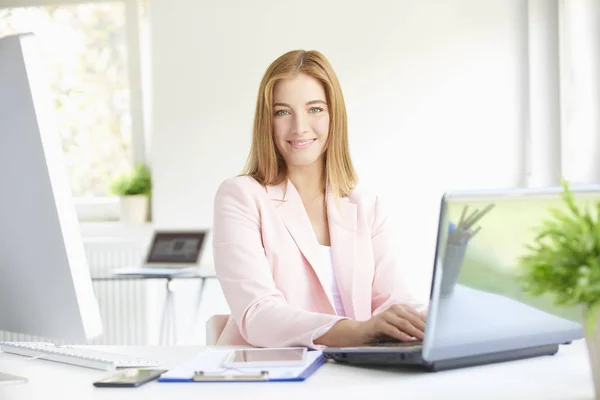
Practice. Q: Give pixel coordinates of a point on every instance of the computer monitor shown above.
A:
(45, 284)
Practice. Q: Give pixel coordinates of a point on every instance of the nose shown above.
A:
(301, 124)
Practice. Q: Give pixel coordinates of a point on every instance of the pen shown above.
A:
(462, 234)
(477, 216)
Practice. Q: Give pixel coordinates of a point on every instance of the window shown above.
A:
(87, 50)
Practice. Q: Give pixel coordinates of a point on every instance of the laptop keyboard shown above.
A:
(395, 343)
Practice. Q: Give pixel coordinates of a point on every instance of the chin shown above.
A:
(301, 163)
(302, 158)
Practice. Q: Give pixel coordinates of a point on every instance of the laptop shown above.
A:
(478, 311)
(170, 253)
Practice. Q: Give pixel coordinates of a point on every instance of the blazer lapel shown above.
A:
(294, 216)
(342, 217)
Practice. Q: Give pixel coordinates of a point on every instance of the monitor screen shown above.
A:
(45, 286)
(176, 247)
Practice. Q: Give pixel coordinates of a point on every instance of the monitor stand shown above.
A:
(7, 379)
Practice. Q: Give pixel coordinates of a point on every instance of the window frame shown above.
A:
(106, 208)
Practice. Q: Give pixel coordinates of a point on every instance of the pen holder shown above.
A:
(453, 259)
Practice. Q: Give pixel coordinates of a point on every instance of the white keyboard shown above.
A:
(76, 356)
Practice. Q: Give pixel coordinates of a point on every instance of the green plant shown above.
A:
(564, 259)
(137, 182)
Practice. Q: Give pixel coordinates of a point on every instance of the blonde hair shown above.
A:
(265, 163)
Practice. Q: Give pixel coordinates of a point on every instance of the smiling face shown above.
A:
(300, 120)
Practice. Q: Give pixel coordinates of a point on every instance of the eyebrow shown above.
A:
(308, 103)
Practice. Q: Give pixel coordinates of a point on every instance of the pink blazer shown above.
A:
(266, 260)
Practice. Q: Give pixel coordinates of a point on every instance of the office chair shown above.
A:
(214, 327)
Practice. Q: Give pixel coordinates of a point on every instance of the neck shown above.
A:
(308, 180)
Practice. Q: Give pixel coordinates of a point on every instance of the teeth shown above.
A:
(301, 143)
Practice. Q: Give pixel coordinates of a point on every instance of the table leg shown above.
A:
(198, 301)
(173, 319)
(168, 328)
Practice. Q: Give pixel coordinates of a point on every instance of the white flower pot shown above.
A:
(592, 341)
(134, 209)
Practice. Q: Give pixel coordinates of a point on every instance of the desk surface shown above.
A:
(565, 375)
(126, 277)
(202, 272)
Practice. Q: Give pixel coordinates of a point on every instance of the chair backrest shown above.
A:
(214, 327)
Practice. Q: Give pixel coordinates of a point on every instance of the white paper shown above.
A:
(211, 363)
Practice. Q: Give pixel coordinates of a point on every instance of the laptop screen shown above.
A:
(176, 247)
(480, 302)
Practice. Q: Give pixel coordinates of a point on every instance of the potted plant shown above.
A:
(134, 190)
(564, 261)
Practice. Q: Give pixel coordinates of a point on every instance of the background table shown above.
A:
(168, 325)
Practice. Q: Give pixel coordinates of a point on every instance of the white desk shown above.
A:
(563, 376)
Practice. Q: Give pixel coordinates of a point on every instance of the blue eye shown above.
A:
(316, 109)
(281, 112)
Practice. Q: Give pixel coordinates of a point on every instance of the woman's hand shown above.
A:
(400, 322)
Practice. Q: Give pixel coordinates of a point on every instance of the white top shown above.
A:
(331, 284)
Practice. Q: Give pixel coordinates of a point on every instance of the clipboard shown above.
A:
(207, 367)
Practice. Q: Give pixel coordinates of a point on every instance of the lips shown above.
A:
(301, 144)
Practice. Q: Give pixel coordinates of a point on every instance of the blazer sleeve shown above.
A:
(257, 306)
(389, 287)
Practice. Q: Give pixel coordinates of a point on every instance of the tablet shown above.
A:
(277, 357)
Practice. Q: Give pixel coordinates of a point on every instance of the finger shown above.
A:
(407, 308)
(422, 315)
(405, 326)
(391, 331)
(411, 315)
(412, 318)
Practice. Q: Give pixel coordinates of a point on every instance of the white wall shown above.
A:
(433, 89)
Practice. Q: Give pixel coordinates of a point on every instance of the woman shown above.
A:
(301, 254)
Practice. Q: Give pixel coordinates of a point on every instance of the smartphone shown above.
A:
(130, 378)
(274, 357)
(6, 379)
